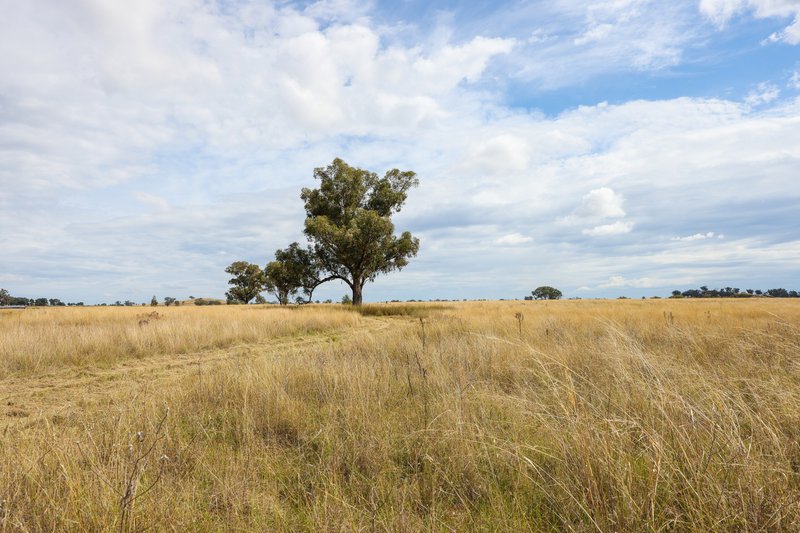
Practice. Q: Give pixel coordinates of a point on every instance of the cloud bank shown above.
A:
(145, 146)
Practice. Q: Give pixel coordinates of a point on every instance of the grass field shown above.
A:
(573, 415)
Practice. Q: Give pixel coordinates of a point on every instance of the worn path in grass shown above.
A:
(24, 401)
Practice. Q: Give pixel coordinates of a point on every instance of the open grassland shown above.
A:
(586, 416)
(43, 339)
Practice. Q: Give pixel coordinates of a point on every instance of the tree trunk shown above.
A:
(357, 289)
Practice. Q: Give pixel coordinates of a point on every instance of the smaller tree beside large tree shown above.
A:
(247, 282)
(302, 268)
(280, 278)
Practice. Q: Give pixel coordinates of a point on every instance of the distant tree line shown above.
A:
(8, 299)
(169, 300)
(733, 292)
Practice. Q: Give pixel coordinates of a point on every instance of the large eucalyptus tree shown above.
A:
(349, 223)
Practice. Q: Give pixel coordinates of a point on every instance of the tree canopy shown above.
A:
(246, 283)
(546, 293)
(305, 267)
(294, 269)
(281, 280)
(733, 292)
(348, 222)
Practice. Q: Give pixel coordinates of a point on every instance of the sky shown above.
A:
(606, 148)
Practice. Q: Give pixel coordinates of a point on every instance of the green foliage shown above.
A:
(280, 278)
(169, 300)
(154, 301)
(546, 293)
(346, 300)
(206, 301)
(734, 292)
(293, 269)
(19, 301)
(248, 280)
(348, 220)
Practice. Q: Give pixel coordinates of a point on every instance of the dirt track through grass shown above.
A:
(60, 393)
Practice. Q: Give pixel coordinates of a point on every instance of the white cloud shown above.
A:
(764, 93)
(794, 81)
(699, 237)
(92, 93)
(566, 42)
(500, 155)
(513, 239)
(594, 34)
(617, 228)
(154, 200)
(338, 10)
(620, 281)
(538, 36)
(597, 206)
(789, 35)
(465, 62)
(601, 203)
(721, 11)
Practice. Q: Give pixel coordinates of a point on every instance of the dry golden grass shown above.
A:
(586, 416)
(38, 340)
